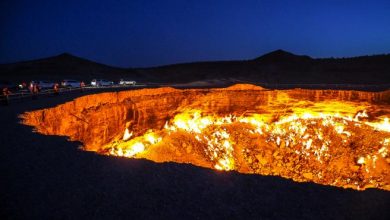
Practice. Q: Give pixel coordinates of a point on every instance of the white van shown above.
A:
(101, 82)
(126, 82)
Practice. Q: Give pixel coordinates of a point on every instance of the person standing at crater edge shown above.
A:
(35, 91)
(82, 85)
(56, 89)
(6, 94)
(31, 87)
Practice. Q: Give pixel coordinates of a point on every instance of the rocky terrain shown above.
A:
(98, 120)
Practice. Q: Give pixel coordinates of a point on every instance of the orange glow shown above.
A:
(307, 133)
(338, 140)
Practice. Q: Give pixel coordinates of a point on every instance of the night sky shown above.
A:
(139, 33)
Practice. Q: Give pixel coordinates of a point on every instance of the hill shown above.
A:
(277, 67)
(62, 66)
(281, 67)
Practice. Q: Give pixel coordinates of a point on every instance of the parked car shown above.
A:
(70, 83)
(44, 84)
(126, 82)
(101, 82)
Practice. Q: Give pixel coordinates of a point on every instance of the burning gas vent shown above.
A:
(338, 138)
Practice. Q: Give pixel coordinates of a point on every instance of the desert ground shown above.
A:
(48, 177)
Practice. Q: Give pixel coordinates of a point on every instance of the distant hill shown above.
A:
(61, 67)
(276, 67)
(281, 67)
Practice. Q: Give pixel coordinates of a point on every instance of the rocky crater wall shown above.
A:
(98, 119)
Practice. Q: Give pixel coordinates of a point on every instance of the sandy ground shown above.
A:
(47, 177)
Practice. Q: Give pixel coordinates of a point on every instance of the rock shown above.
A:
(308, 176)
(355, 168)
(189, 149)
(263, 161)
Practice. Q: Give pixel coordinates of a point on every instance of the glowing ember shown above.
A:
(308, 141)
(327, 141)
(127, 135)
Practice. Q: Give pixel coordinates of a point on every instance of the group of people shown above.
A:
(34, 89)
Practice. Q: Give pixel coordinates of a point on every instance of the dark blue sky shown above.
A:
(147, 33)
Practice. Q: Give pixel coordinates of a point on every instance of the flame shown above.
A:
(129, 151)
(313, 134)
(381, 126)
(127, 135)
(361, 160)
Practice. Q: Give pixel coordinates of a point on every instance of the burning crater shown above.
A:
(339, 138)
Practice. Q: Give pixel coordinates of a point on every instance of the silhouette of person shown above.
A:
(31, 87)
(56, 89)
(82, 85)
(24, 85)
(6, 94)
(35, 91)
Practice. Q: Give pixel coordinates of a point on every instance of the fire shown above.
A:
(330, 137)
(315, 136)
(127, 135)
(361, 160)
(382, 126)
